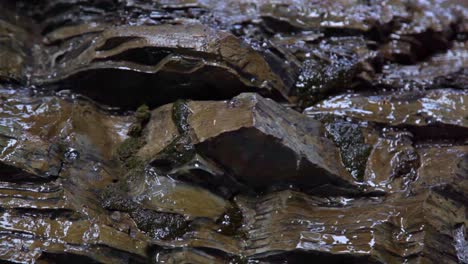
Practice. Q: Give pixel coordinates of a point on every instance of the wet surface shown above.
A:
(199, 131)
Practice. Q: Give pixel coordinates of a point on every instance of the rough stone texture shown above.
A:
(381, 231)
(269, 144)
(192, 131)
(433, 113)
(183, 60)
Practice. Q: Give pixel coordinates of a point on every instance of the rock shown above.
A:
(178, 61)
(13, 48)
(393, 163)
(288, 16)
(51, 137)
(187, 256)
(290, 150)
(445, 170)
(445, 70)
(284, 224)
(61, 234)
(334, 65)
(116, 146)
(429, 114)
(34, 196)
(148, 190)
(54, 155)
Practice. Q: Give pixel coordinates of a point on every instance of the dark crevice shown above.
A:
(65, 258)
(114, 42)
(144, 56)
(300, 256)
(13, 174)
(152, 89)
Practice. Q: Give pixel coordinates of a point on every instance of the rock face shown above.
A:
(414, 228)
(269, 144)
(164, 62)
(433, 113)
(233, 131)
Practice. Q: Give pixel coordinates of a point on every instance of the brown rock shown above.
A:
(283, 224)
(430, 114)
(178, 61)
(263, 151)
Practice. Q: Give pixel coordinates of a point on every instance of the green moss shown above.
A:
(135, 130)
(160, 225)
(319, 78)
(231, 222)
(143, 114)
(353, 149)
(181, 149)
(113, 198)
(126, 152)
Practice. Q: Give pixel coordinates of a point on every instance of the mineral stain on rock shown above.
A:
(194, 131)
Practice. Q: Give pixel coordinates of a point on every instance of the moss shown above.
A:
(353, 149)
(135, 175)
(181, 149)
(160, 225)
(135, 130)
(127, 150)
(143, 114)
(113, 198)
(319, 78)
(231, 222)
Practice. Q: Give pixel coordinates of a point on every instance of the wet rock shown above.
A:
(444, 169)
(34, 196)
(445, 70)
(54, 155)
(24, 242)
(186, 256)
(178, 61)
(346, 16)
(334, 65)
(461, 244)
(393, 162)
(458, 79)
(430, 114)
(51, 137)
(285, 151)
(13, 48)
(288, 222)
(374, 171)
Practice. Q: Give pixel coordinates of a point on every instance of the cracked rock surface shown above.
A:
(199, 131)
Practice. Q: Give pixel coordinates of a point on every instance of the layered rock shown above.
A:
(444, 70)
(14, 40)
(170, 61)
(269, 144)
(54, 156)
(126, 135)
(416, 229)
(441, 112)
